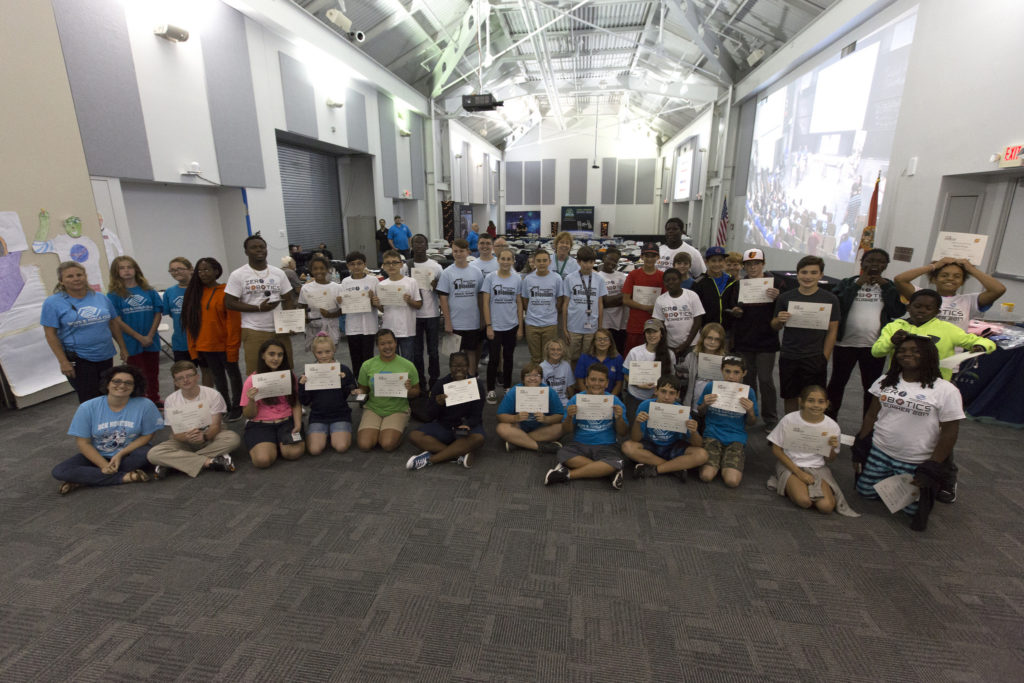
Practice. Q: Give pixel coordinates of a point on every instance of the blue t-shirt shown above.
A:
(400, 235)
(473, 238)
(558, 377)
(614, 366)
(110, 431)
(577, 287)
(661, 437)
(725, 425)
(462, 285)
(543, 293)
(508, 407)
(173, 297)
(596, 432)
(137, 312)
(503, 293)
(83, 325)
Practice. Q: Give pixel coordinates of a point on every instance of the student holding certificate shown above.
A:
(319, 297)
(274, 424)
(198, 441)
(534, 431)
(455, 430)
(329, 413)
(385, 417)
(710, 342)
(358, 292)
(655, 349)
(664, 451)
(646, 280)
(948, 275)
(681, 311)
(404, 300)
(594, 451)
(725, 433)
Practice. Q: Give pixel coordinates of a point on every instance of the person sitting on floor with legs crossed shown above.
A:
(663, 451)
(456, 430)
(532, 431)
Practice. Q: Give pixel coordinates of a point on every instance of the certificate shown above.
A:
(323, 376)
(532, 400)
(594, 407)
(391, 295)
(897, 492)
(729, 395)
(271, 384)
(644, 371)
(355, 301)
(424, 278)
(953, 362)
(963, 245)
(755, 290)
(319, 297)
(193, 415)
(646, 295)
(667, 416)
(808, 439)
(809, 315)
(461, 391)
(289, 321)
(390, 384)
(709, 366)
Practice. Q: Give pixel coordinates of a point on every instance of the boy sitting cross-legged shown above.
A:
(663, 451)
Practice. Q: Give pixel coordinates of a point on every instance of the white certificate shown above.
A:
(755, 290)
(424, 278)
(390, 384)
(532, 400)
(271, 384)
(644, 371)
(809, 315)
(667, 416)
(953, 362)
(963, 245)
(709, 366)
(323, 376)
(729, 395)
(461, 391)
(319, 297)
(194, 415)
(897, 492)
(355, 301)
(646, 295)
(289, 321)
(808, 439)
(594, 407)
(391, 295)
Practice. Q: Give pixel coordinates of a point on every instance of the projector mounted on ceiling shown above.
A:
(483, 102)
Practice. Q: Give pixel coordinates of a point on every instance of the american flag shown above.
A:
(723, 225)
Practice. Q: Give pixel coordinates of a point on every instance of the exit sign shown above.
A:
(1012, 156)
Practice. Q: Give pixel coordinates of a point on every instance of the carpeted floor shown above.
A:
(348, 567)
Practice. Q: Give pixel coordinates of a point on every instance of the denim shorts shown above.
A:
(329, 427)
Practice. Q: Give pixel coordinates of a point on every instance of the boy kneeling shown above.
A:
(663, 451)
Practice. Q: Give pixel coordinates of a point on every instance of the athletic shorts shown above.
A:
(330, 427)
(666, 452)
(445, 434)
(268, 432)
(395, 421)
(470, 339)
(797, 373)
(607, 453)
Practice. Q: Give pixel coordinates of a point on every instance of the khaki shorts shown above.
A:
(725, 456)
(395, 421)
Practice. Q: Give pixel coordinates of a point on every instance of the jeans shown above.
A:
(843, 360)
(87, 376)
(760, 371)
(505, 343)
(78, 469)
(224, 371)
(407, 349)
(430, 329)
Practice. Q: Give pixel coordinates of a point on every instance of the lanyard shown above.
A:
(561, 270)
(590, 280)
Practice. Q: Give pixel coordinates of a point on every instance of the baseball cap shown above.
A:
(654, 324)
(649, 247)
(753, 255)
(714, 251)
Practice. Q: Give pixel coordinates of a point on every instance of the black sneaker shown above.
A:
(642, 471)
(617, 481)
(160, 471)
(222, 463)
(233, 415)
(548, 447)
(681, 475)
(947, 494)
(557, 475)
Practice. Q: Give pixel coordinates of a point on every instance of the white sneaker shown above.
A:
(492, 397)
(418, 462)
(465, 460)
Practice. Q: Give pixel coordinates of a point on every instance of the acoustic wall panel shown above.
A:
(485, 174)
(299, 97)
(514, 183)
(417, 164)
(531, 182)
(624, 189)
(465, 172)
(547, 188)
(388, 145)
(608, 180)
(578, 170)
(355, 121)
(645, 171)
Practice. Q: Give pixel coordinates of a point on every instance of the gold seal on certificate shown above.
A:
(424, 278)
(729, 395)
(754, 290)
(193, 415)
(808, 439)
(532, 400)
(461, 391)
(643, 372)
(390, 385)
(963, 245)
(317, 298)
(289, 321)
(271, 384)
(594, 407)
(808, 315)
(646, 296)
(667, 416)
(355, 301)
(322, 376)
(391, 295)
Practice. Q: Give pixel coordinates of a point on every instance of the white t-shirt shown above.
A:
(431, 307)
(907, 428)
(313, 291)
(959, 309)
(864, 321)
(209, 401)
(641, 353)
(254, 286)
(677, 314)
(778, 437)
(360, 323)
(614, 318)
(401, 319)
(666, 254)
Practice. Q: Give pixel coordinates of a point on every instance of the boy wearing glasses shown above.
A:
(400, 318)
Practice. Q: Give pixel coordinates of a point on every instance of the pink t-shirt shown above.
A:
(269, 409)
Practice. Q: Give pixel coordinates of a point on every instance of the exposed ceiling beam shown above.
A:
(710, 46)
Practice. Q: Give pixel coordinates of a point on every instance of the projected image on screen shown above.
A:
(522, 223)
(820, 141)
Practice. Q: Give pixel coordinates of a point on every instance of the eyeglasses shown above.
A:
(177, 270)
(122, 383)
(184, 376)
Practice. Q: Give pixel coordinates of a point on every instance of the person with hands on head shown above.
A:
(330, 415)
(140, 309)
(538, 431)
(593, 453)
(275, 423)
(503, 319)
(725, 432)
(112, 432)
(948, 275)
(456, 431)
(663, 451)
(385, 417)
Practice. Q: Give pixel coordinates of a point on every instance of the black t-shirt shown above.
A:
(752, 332)
(800, 342)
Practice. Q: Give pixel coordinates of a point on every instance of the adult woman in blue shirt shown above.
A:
(81, 326)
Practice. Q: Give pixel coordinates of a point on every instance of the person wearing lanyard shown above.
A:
(563, 265)
(583, 304)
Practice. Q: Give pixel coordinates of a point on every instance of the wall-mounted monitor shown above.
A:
(578, 221)
(686, 179)
(522, 223)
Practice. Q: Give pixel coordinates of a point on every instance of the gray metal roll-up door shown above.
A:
(312, 204)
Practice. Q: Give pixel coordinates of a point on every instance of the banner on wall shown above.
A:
(578, 220)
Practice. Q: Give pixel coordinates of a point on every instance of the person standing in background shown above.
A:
(674, 244)
(473, 237)
(399, 235)
(180, 268)
(492, 229)
(382, 239)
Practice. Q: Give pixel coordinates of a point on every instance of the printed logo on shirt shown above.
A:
(504, 294)
(580, 291)
(542, 292)
(953, 314)
(464, 287)
(136, 303)
(677, 312)
(896, 400)
(176, 304)
(871, 294)
(87, 315)
(262, 285)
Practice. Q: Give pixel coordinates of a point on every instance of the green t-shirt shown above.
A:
(385, 406)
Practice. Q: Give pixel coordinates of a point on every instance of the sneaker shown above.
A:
(465, 460)
(222, 463)
(557, 475)
(643, 471)
(418, 462)
(947, 494)
(492, 397)
(548, 447)
(617, 481)
(508, 447)
(680, 475)
(234, 415)
(160, 471)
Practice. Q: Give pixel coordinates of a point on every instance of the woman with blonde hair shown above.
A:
(141, 309)
(562, 264)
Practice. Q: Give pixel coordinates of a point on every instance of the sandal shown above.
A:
(135, 476)
(67, 487)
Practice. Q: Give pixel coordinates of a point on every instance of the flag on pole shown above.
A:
(723, 224)
(867, 237)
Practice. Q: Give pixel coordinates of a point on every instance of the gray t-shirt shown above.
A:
(800, 342)
(502, 293)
